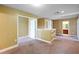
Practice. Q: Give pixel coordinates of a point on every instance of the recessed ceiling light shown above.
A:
(36, 5)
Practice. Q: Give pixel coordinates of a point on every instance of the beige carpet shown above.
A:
(57, 46)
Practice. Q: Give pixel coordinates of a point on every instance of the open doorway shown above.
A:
(26, 28)
(65, 27)
(32, 28)
(22, 29)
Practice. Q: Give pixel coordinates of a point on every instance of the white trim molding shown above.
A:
(49, 42)
(7, 49)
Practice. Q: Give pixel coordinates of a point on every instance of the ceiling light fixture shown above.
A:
(59, 12)
(36, 5)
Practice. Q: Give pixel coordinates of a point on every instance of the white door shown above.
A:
(32, 27)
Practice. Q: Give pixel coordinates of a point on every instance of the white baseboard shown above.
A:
(49, 42)
(23, 37)
(66, 34)
(78, 37)
(9, 48)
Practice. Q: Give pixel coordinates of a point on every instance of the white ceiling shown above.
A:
(49, 10)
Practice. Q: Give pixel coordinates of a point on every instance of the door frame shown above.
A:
(18, 25)
(28, 24)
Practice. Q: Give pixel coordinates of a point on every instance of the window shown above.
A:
(65, 24)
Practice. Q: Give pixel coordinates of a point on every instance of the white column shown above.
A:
(48, 24)
(78, 27)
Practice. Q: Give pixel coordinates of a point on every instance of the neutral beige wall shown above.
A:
(7, 30)
(8, 25)
(46, 34)
(23, 26)
(57, 24)
(41, 23)
(73, 25)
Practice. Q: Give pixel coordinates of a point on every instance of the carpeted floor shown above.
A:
(67, 37)
(58, 46)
